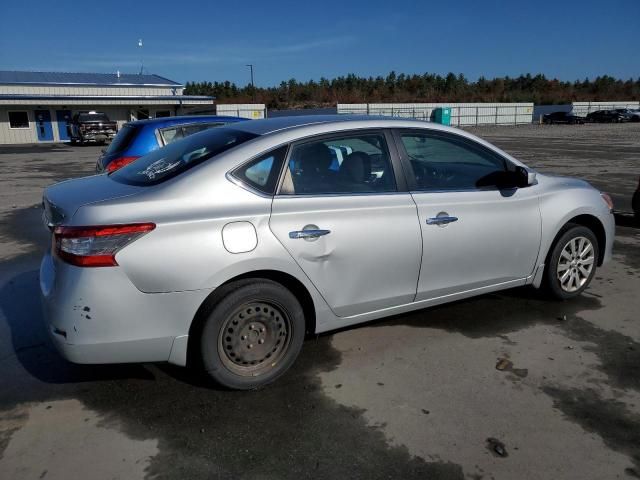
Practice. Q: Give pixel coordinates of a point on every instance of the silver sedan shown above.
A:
(224, 249)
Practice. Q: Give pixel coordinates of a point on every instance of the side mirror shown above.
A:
(524, 177)
(531, 178)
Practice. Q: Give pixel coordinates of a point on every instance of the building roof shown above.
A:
(70, 78)
(20, 99)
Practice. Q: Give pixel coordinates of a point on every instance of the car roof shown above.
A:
(271, 125)
(184, 119)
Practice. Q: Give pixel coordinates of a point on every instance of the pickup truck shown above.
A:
(91, 127)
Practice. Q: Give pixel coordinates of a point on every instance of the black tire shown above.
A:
(552, 283)
(252, 335)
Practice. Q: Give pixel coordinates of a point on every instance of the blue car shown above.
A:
(138, 138)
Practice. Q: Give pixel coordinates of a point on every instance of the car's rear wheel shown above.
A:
(572, 262)
(253, 335)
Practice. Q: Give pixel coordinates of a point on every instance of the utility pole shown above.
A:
(253, 88)
(141, 57)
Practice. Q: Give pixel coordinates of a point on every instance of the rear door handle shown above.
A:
(308, 233)
(444, 220)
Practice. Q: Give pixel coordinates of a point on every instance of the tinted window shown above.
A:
(448, 162)
(172, 160)
(18, 120)
(262, 173)
(172, 134)
(191, 129)
(93, 117)
(346, 164)
(123, 139)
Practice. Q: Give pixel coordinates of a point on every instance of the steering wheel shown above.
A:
(429, 175)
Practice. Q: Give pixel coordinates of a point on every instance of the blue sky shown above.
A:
(186, 40)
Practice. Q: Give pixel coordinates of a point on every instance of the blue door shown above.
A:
(63, 117)
(43, 125)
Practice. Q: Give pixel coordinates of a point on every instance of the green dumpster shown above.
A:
(442, 115)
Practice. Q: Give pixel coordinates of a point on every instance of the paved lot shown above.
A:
(415, 396)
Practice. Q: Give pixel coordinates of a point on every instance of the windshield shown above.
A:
(93, 117)
(123, 139)
(170, 161)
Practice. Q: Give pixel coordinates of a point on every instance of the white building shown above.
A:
(36, 106)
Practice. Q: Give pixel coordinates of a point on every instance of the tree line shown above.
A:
(421, 88)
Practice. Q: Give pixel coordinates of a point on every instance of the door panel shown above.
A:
(369, 259)
(43, 125)
(63, 118)
(477, 228)
(495, 239)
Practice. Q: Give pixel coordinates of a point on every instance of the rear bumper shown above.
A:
(96, 315)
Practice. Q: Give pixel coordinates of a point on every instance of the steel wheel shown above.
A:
(254, 338)
(575, 264)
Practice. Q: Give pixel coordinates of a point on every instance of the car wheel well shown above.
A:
(593, 224)
(288, 281)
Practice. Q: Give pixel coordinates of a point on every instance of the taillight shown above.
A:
(96, 246)
(118, 163)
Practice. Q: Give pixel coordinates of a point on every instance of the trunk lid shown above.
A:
(61, 200)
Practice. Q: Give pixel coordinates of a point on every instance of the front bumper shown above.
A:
(98, 136)
(96, 315)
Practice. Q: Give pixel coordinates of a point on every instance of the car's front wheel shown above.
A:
(572, 262)
(253, 334)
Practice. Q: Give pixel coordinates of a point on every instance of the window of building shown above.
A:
(18, 120)
(162, 113)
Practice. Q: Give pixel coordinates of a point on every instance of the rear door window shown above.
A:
(346, 164)
(171, 134)
(174, 159)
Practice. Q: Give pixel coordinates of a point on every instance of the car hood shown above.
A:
(558, 181)
(61, 200)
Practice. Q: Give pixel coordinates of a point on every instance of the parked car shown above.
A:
(562, 117)
(635, 202)
(91, 127)
(226, 247)
(629, 115)
(143, 136)
(606, 116)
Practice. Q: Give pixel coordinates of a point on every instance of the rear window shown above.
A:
(174, 159)
(93, 117)
(123, 139)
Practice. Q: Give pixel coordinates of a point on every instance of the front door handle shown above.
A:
(311, 233)
(444, 220)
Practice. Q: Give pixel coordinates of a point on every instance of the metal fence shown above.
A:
(247, 110)
(584, 108)
(461, 114)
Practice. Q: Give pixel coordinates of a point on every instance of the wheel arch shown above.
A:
(592, 223)
(285, 279)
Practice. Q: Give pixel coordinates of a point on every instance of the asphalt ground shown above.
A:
(502, 386)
